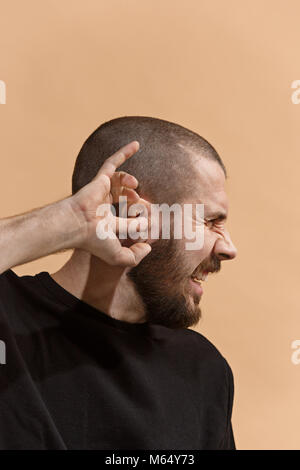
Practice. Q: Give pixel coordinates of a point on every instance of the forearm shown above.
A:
(38, 233)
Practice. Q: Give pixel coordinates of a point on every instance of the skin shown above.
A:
(135, 281)
(72, 222)
(159, 288)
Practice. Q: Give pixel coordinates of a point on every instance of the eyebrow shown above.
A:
(217, 216)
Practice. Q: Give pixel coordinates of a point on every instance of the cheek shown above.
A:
(194, 258)
(210, 238)
(198, 245)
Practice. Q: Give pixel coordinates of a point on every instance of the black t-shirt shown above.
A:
(72, 377)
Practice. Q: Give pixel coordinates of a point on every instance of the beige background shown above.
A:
(221, 68)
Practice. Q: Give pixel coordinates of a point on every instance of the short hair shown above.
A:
(162, 165)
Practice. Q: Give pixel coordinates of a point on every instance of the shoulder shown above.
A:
(210, 361)
(6, 275)
(11, 283)
(206, 355)
(194, 349)
(198, 342)
(7, 279)
(215, 361)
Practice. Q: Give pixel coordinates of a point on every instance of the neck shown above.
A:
(104, 287)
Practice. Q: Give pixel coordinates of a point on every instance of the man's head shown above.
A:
(173, 165)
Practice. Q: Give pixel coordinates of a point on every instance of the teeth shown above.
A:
(200, 278)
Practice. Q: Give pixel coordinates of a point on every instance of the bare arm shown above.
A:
(38, 233)
(72, 222)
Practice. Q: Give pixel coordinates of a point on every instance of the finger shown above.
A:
(130, 227)
(117, 159)
(133, 255)
(131, 195)
(119, 181)
(121, 178)
(140, 250)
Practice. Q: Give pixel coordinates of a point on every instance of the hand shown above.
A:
(106, 188)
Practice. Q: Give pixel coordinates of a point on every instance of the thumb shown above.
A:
(140, 251)
(130, 227)
(133, 256)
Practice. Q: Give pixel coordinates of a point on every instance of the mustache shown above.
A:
(213, 265)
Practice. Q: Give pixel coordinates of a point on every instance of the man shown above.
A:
(99, 354)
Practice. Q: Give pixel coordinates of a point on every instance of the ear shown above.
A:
(147, 209)
(142, 206)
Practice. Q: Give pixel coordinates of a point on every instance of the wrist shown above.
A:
(76, 224)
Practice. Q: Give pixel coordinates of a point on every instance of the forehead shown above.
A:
(208, 185)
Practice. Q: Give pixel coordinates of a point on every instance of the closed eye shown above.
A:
(217, 222)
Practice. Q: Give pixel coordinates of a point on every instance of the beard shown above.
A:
(162, 281)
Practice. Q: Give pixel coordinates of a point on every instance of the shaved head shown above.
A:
(162, 165)
(173, 165)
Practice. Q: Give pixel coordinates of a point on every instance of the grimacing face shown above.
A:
(164, 278)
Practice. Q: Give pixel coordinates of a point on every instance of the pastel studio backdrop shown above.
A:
(222, 69)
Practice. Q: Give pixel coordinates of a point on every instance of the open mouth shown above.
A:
(196, 282)
(200, 277)
(196, 286)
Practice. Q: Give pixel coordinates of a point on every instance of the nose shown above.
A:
(224, 248)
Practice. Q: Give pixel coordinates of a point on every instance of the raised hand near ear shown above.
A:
(89, 204)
